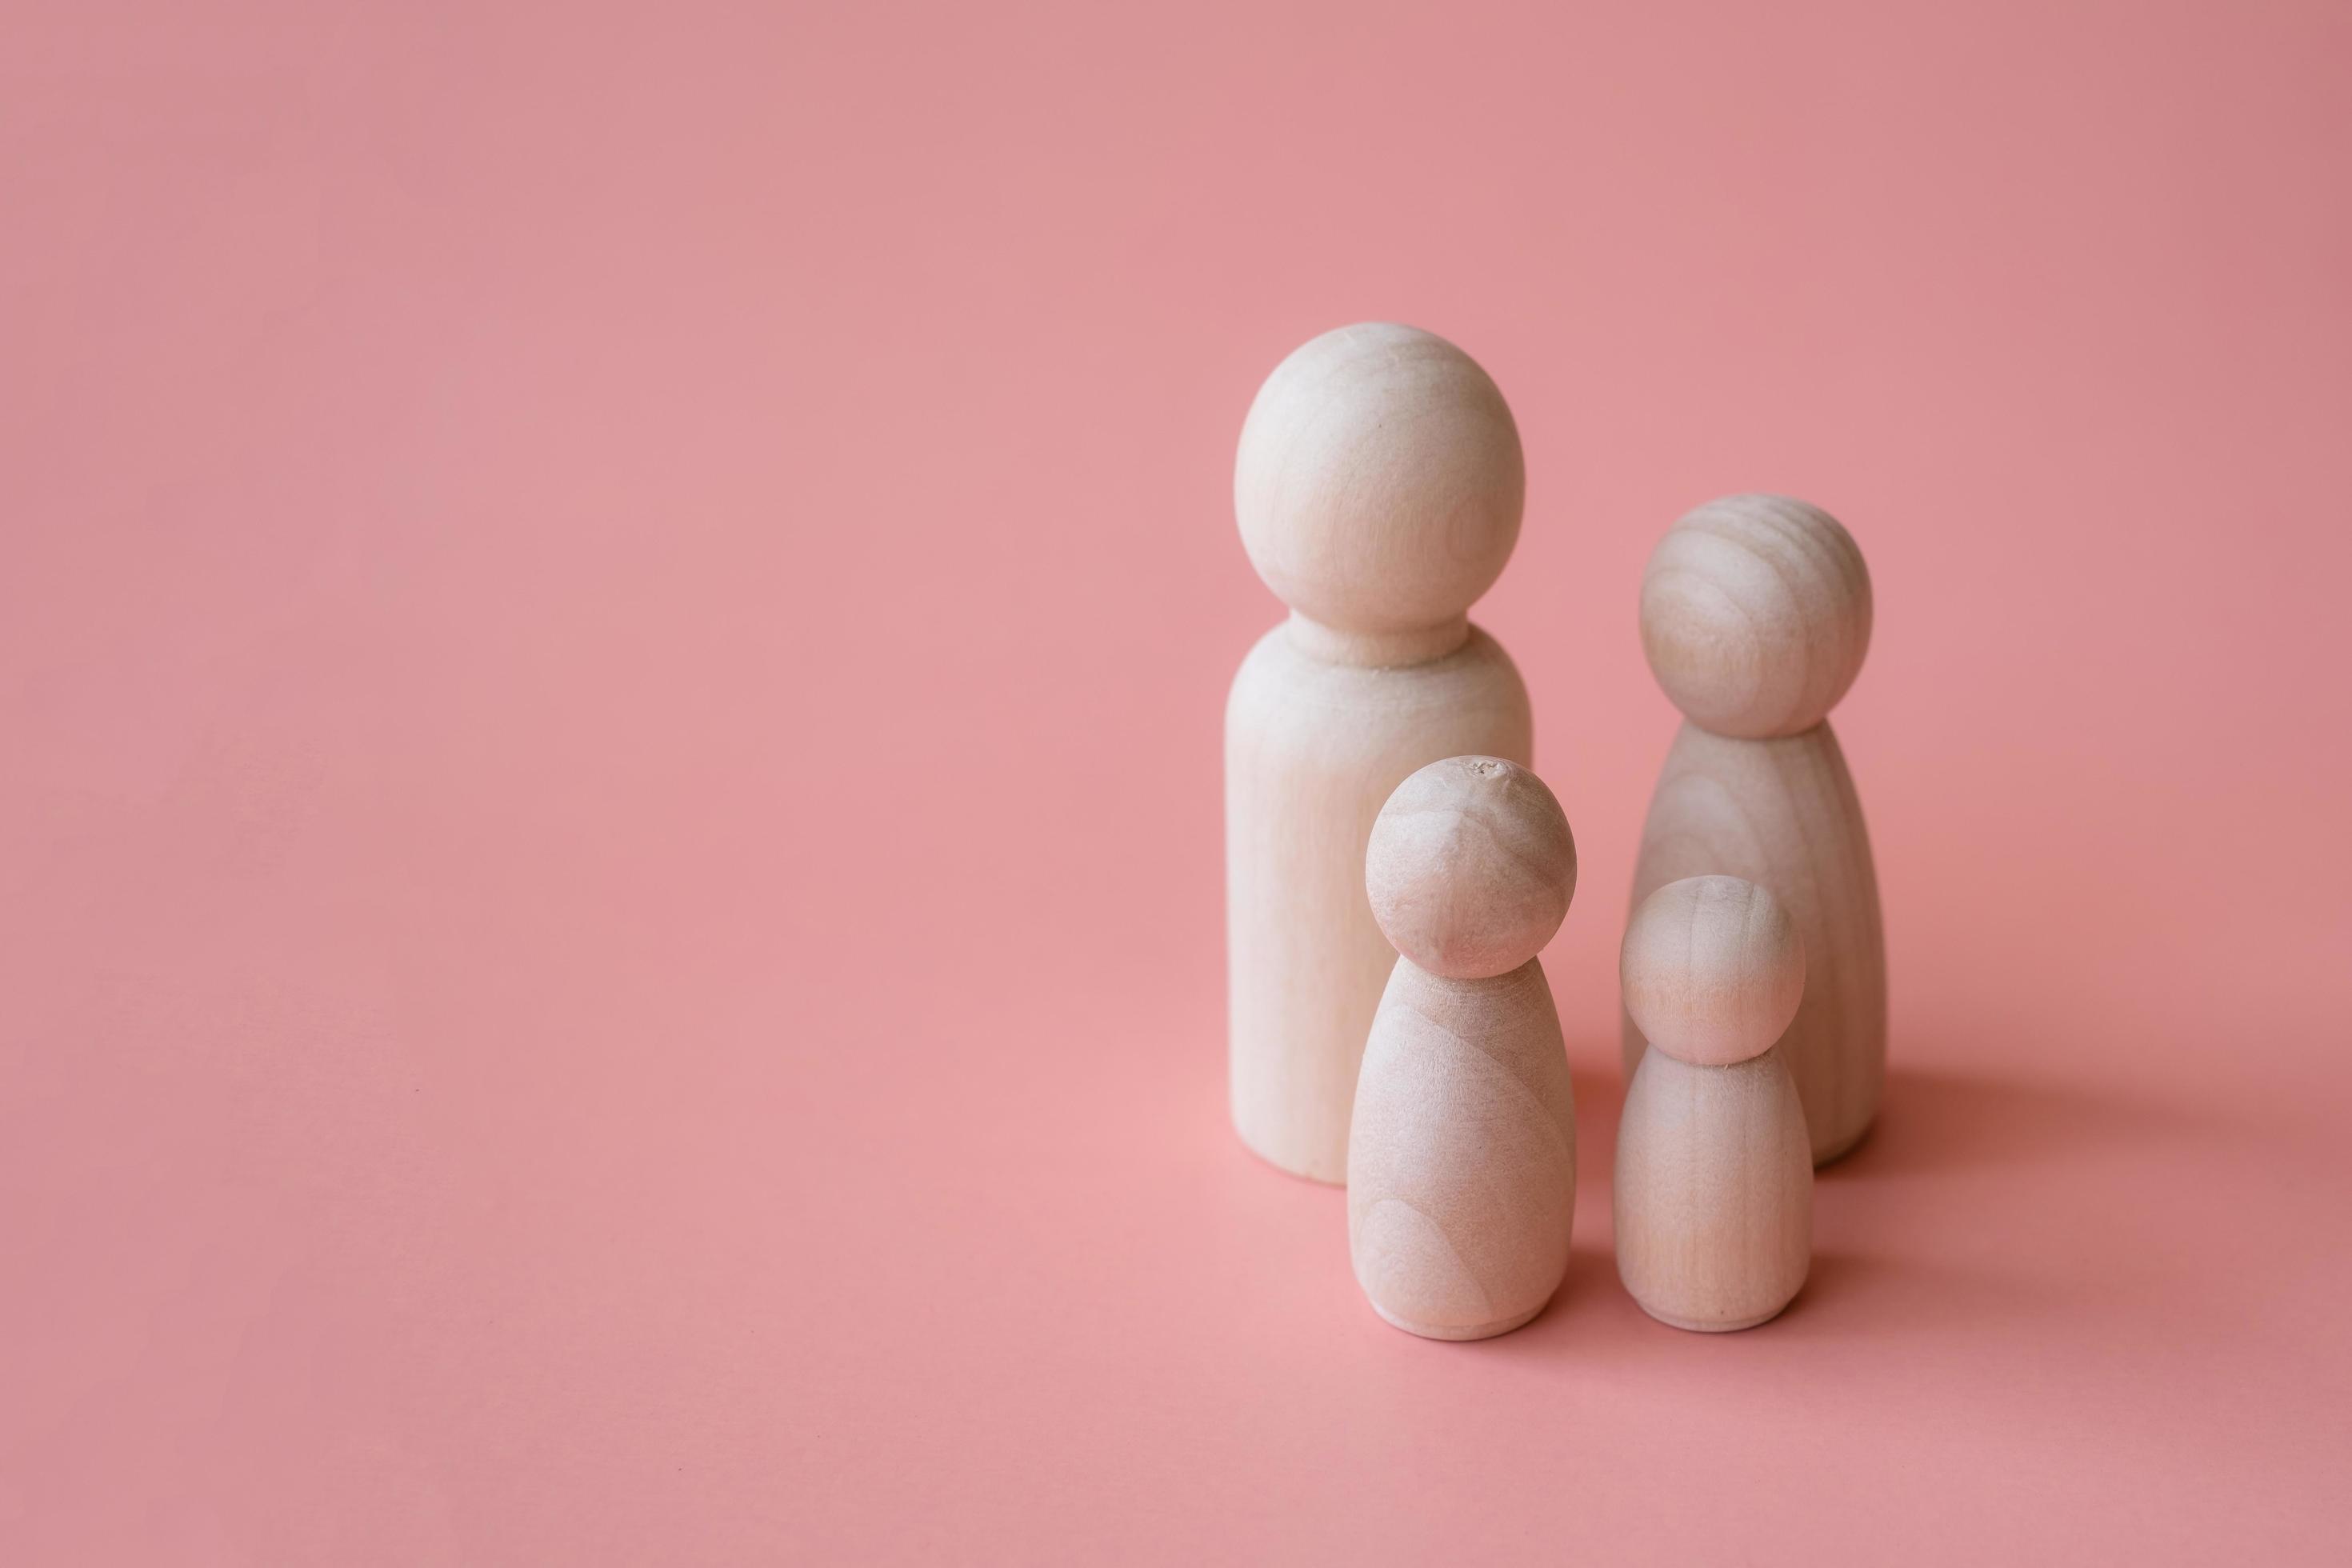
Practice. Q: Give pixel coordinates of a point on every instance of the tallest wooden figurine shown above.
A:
(1378, 487)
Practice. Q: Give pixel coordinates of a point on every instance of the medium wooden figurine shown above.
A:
(1378, 487)
(1755, 612)
(1462, 1166)
(1714, 1174)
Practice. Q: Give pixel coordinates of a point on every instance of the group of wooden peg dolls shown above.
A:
(1394, 867)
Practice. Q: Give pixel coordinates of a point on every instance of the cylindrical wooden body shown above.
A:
(1714, 1194)
(1783, 814)
(1313, 748)
(1462, 1170)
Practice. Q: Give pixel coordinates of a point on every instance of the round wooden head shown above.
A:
(1756, 615)
(1712, 970)
(1471, 867)
(1379, 481)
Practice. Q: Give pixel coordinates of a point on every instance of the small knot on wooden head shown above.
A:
(1756, 615)
(1470, 867)
(1379, 481)
(1713, 970)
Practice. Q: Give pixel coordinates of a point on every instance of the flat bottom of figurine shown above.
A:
(1831, 1156)
(1449, 1331)
(1709, 1326)
(1338, 1179)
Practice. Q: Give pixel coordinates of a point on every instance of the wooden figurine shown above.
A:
(1714, 1174)
(1462, 1165)
(1756, 612)
(1378, 487)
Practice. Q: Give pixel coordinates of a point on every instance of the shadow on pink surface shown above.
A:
(1901, 1250)
(1933, 1120)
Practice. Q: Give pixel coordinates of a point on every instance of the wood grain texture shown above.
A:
(1462, 1170)
(1712, 970)
(1379, 481)
(1712, 1194)
(1471, 867)
(1756, 614)
(1312, 749)
(1378, 490)
(1783, 814)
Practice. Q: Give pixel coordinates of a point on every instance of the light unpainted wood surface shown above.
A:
(1378, 491)
(1713, 1201)
(1312, 751)
(1711, 969)
(1471, 867)
(1756, 614)
(1462, 1166)
(1461, 1175)
(1714, 1174)
(1783, 814)
(1380, 482)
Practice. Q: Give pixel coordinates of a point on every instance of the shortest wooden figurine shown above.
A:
(1461, 1157)
(1715, 1173)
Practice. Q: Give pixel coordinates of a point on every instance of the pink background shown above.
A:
(614, 636)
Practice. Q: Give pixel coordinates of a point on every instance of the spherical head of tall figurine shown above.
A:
(1379, 481)
(1756, 615)
(1713, 970)
(1470, 867)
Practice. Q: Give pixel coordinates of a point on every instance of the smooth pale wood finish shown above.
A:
(1712, 969)
(1378, 488)
(1756, 614)
(1783, 814)
(1461, 1165)
(1312, 749)
(1714, 1194)
(1462, 1171)
(1471, 867)
(1380, 482)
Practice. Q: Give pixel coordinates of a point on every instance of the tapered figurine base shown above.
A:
(1444, 1331)
(1287, 1169)
(1699, 1326)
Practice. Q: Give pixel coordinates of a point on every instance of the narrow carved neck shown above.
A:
(1814, 731)
(1378, 650)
